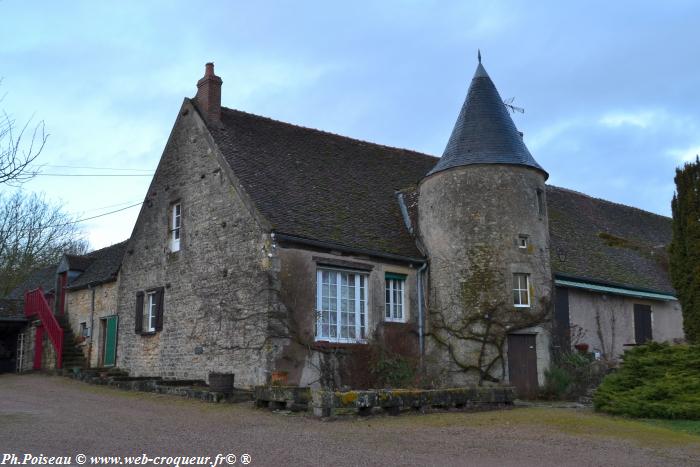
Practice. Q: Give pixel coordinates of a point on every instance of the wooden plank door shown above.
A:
(110, 341)
(642, 324)
(522, 364)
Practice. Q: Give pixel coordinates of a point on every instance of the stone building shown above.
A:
(80, 292)
(270, 250)
(267, 248)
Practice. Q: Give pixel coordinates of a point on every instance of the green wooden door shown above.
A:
(110, 342)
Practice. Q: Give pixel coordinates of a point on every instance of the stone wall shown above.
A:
(219, 289)
(79, 309)
(48, 357)
(606, 322)
(470, 220)
(303, 358)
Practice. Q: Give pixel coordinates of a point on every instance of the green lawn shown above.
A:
(576, 422)
(687, 426)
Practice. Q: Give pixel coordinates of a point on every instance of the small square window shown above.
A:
(84, 329)
(522, 241)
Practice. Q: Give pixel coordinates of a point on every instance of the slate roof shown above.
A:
(79, 262)
(44, 277)
(608, 242)
(326, 187)
(484, 132)
(11, 310)
(101, 266)
(322, 186)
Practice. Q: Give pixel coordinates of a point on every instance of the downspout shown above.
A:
(421, 317)
(92, 322)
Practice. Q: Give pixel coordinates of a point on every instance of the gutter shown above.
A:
(346, 249)
(421, 317)
(615, 290)
(92, 324)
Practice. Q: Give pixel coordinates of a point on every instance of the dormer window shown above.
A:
(175, 226)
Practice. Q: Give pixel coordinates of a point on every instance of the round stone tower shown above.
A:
(482, 218)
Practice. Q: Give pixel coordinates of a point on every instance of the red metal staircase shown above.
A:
(35, 304)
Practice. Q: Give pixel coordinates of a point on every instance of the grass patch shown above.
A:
(573, 422)
(655, 381)
(686, 426)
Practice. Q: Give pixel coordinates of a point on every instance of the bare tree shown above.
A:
(33, 233)
(19, 147)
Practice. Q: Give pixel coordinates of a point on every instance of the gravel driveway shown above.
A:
(57, 416)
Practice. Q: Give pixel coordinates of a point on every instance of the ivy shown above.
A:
(482, 317)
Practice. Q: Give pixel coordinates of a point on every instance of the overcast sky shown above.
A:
(610, 89)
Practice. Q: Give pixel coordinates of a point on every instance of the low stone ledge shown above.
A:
(292, 398)
(330, 403)
(192, 389)
(203, 393)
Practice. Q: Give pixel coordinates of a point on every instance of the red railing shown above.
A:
(35, 304)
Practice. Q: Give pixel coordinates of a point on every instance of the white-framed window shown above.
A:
(522, 241)
(395, 299)
(521, 290)
(175, 226)
(150, 311)
(341, 305)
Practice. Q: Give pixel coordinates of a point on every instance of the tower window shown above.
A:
(522, 241)
(540, 202)
(521, 290)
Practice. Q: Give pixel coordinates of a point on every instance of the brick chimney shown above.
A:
(209, 95)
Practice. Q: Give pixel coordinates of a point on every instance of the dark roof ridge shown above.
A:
(96, 252)
(330, 133)
(603, 200)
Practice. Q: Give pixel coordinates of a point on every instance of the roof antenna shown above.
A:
(478, 54)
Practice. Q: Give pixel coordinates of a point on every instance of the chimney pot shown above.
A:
(208, 97)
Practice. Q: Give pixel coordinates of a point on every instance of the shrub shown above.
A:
(570, 376)
(393, 370)
(557, 382)
(654, 381)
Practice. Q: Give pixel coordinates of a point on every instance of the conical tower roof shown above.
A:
(484, 132)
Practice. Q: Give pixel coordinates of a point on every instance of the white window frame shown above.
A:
(360, 300)
(175, 226)
(523, 241)
(517, 287)
(395, 312)
(150, 311)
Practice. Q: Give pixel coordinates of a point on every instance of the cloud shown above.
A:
(686, 154)
(642, 119)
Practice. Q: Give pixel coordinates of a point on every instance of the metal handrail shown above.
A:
(35, 304)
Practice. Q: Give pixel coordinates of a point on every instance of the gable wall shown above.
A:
(217, 287)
